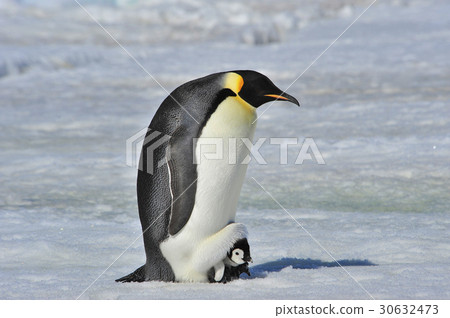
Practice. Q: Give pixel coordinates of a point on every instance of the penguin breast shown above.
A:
(220, 151)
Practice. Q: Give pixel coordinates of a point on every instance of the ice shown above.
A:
(376, 104)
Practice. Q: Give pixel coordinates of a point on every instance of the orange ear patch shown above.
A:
(234, 82)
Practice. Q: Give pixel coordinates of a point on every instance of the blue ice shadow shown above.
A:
(261, 270)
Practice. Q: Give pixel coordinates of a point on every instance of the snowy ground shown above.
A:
(376, 103)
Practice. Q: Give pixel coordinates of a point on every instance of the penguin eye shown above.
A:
(236, 253)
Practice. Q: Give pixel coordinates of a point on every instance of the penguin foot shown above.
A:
(136, 276)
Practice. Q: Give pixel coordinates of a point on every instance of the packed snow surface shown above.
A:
(376, 103)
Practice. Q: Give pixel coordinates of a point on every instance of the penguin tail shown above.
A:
(136, 276)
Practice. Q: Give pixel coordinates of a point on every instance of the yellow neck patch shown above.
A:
(234, 82)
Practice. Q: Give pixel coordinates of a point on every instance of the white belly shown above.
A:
(219, 184)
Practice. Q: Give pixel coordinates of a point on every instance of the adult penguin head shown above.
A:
(255, 88)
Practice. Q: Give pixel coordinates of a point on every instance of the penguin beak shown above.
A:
(248, 259)
(284, 96)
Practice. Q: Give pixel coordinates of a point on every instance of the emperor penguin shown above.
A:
(187, 202)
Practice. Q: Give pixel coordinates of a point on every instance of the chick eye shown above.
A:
(236, 253)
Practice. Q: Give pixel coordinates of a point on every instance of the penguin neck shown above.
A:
(237, 118)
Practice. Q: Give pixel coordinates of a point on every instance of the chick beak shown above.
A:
(248, 259)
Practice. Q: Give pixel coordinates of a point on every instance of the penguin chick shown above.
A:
(239, 254)
(236, 260)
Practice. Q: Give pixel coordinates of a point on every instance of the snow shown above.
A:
(376, 104)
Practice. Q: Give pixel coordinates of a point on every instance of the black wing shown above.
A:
(183, 179)
(182, 167)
